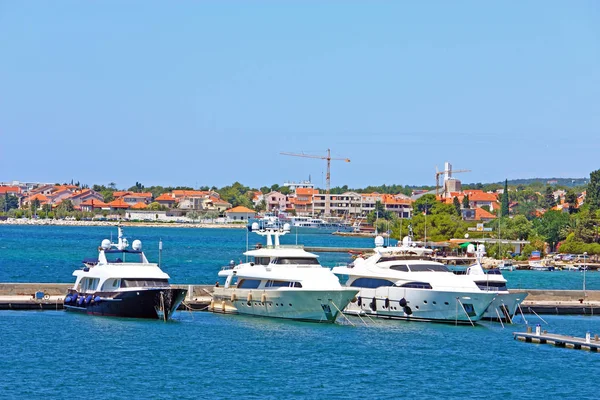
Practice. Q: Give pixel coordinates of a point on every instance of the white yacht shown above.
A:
(317, 225)
(281, 282)
(123, 283)
(403, 283)
(506, 305)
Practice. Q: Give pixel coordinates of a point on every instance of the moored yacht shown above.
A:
(506, 305)
(121, 282)
(404, 283)
(281, 282)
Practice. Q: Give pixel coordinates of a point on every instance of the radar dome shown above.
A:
(470, 248)
(136, 245)
(379, 241)
(255, 226)
(286, 227)
(105, 244)
(406, 241)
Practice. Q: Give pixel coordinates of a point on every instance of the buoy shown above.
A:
(359, 301)
(374, 304)
(263, 298)
(233, 297)
(249, 298)
(407, 310)
(387, 302)
(402, 302)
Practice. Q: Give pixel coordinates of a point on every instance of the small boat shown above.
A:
(123, 283)
(541, 265)
(281, 282)
(506, 265)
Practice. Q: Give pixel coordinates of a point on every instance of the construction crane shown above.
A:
(448, 170)
(328, 177)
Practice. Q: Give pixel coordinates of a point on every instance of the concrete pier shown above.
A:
(50, 296)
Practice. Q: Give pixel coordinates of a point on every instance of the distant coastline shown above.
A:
(62, 222)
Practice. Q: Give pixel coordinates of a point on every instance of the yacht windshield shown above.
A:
(428, 268)
(144, 282)
(296, 261)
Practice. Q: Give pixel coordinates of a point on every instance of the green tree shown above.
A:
(424, 203)
(261, 206)
(571, 198)
(66, 206)
(456, 204)
(550, 201)
(465, 202)
(155, 206)
(8, 202)
(593, 191)
(551, 227)
(35, 204)
(504, 208)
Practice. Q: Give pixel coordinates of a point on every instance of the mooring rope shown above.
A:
(340, 311)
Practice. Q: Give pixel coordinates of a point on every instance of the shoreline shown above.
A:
(61, 222)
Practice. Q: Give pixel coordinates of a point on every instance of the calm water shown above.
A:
(192, 256)
(55, 354)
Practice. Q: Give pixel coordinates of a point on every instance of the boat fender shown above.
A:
(402, 302)
(387, 302)
(233, 297)
(68, 299)
(374, 304)
(223, 306)
(74, 297)
(263, 298)
(97, 299)
(212, 305)
(359, 301)
(407, 310)
(354, 299)
(249, 298)
(88, 299)
(80, 300)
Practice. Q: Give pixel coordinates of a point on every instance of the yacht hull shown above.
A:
(156, 303)
(421, 304)
(504, 307)
(297, 304)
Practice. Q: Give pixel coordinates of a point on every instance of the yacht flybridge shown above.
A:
(123, 283)
(281, 282)
(403, 283)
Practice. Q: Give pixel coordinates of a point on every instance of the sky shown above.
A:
(207, 93)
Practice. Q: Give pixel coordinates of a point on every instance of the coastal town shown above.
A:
(542, 220)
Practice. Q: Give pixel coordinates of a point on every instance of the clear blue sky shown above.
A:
(208, 93)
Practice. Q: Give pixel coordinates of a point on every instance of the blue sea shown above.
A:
(57, 355)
